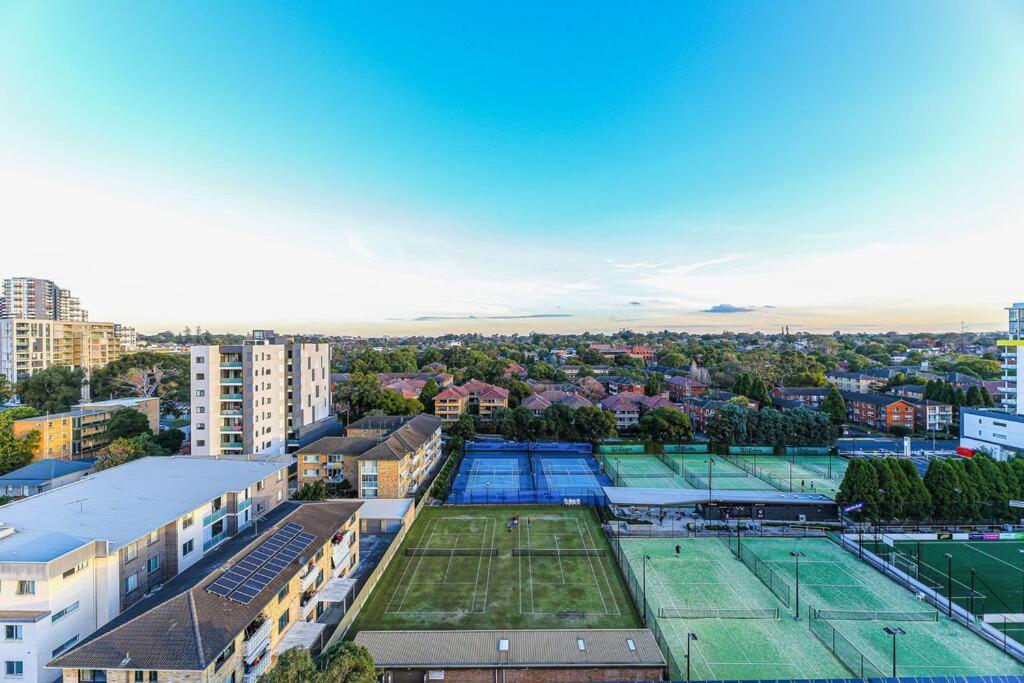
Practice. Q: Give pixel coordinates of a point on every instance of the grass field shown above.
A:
(998, 566)
(706, 575)
(503, 590)
(833, 579)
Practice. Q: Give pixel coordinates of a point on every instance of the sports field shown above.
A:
(805, 473)
(856, 603)
(723, 474)
(642, 471)
(743, 632)
(998, 574)
(466, 568)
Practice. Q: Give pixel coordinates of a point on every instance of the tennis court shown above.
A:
(724, 474)
(496, 474)
(643, 471)
(508, 473)
(998, 575)
(804, 473)
(742, 631)
(847, 604)
(472, 568)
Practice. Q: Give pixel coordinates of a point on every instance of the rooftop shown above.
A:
(45, 470)
(121, 504)
(189, 629)
(534, 648)
(621, 495)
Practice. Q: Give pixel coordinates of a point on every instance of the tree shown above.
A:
(6, 390)
(121, 451)
(343, 662)
(315, 490)
(859, 485)
(427, 394)
(53, 390)
(834, 406)
(941, 481)
(769, 427)
(728, 425)
(666, 425)
(170, 439)
(518, 424)
(594, 424)
(742, 384)
(16, 452)
(293, 666)
(655, 384)
(127, 423)
(145, 374)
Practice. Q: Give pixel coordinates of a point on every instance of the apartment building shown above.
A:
(267, 395)
(541, 401)
(231, 622)
(29, 345)
(856, 382)
(880, 411)
(83, 429)
(73, 558)
(382, 457)
(684, 387)
(43, 475)
(610, 351)
(127, 337)
(810, 397)
(626, 411)
(931, 416)
(475, 397)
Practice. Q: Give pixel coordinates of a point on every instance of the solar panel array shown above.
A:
(255, 571)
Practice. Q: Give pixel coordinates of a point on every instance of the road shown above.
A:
(896, 445)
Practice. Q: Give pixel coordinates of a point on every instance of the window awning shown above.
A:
(301, 634)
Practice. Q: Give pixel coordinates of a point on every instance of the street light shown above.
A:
(972, 591)
(949, 583)
(646, 559)
(894, 631)
(689, 637)
(796, 554)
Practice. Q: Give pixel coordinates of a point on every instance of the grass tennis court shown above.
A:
(462, 568)
(743, 633)
(999, 574)
(859, 602)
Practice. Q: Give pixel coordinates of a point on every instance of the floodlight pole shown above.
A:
(689, 637)
(949, 584)
(1021, 552)
(646, 557)
(972, 590)
(796, 556)
(894, 631)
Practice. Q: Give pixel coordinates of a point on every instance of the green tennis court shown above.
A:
(642, 471)
(798, 473)
(742, 631)
(724, 474)
(858, 602)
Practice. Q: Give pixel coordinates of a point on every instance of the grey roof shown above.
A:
(876, 399)
(122, 504)
(804, 391)
(190, 629)
(385, 422)
(42, 471)
(405, 439)
(623, 495)
(543, 648)
(340, 445)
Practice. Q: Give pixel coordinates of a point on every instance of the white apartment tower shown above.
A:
(1011, 352)
(268, 395)
(38, 299)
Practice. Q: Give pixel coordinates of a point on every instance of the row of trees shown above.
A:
(956, 489)
(735, 424)
(558, 422)
(344, 662)
(752, 387)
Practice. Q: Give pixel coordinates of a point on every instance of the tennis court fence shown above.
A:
(759, 472)
(559, 552)
(841, 648)
(762, 570)
(450, 552)
(875, 615)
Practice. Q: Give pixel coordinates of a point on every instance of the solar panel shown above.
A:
(254, 572)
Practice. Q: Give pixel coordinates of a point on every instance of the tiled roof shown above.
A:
(189, 629)
(453, 392)
(803, 391)
(619, 404)
(405, 439)
(875, 399)
(340, 445)
(684, 382)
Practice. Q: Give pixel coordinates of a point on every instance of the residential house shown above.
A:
(392, 464)
(514, 369)
(681, 387)
(908, 391)
(615, 384)
(232, 620)
(626, 412)
(880, 411)
(474, 396)
(539, 402)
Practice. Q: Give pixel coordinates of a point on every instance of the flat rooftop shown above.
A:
(121, 504)
(623, 495)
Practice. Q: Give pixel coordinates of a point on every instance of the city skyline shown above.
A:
(698, 167)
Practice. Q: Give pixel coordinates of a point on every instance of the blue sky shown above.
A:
(821, 164)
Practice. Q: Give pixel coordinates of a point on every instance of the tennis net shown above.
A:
(875, 615)
(717, 613)
(559, 552)
(449, 552)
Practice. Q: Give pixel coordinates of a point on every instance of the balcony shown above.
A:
(232, 428)
(214, 516)
(257, 637)
(230, 397)
(231, 364)
(231, 380)
(307, 604)
(214, 540)
(231, 412)
(308, 576)
(253, 673)
(340, 554)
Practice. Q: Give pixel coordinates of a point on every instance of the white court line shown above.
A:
(416, 564)
(451, 558)
(561, 568)
(604, 572)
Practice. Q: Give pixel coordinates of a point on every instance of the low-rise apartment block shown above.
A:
(680, 388)
(83, 429)
(474, 397)
(231, 622)
(880, 411)
(541, 401)
(384, 457)
(810, 397)
(268, 395)
(856, 382)
(73, 558)
(43, 475)
(610, 351)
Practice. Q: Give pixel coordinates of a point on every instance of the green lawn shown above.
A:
(502, 590)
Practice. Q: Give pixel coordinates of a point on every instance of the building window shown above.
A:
(14, 668)
(200, 393)
(187, 547)
(65, 646)
(13, 632)
(224, 656)
(283, 593)
(92, 676)
(200, 376)
(131, 551)
(200, 442)
(74, 570)
(153, 564)
(131, 582)
(154, 536)
(200, 425)
(260, 485)
(200, 359)
(186, 521)
(218, 503)
(200, 409)
(26, 588)
(70, 609)
(282, 621)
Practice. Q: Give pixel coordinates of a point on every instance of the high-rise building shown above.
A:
(1000, 433)
(29, 345)
(267, 395)
(39, 299)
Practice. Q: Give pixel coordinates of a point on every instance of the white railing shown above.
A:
(340, 554)
(255, 643)
(309, 577)
(253, 675)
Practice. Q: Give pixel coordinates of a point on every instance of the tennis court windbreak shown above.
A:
(717, 613)
(450, 552)
(875, 615)
(559, 552)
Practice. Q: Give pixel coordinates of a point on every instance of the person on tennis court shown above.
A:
(678, 549)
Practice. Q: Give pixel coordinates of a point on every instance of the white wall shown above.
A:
(209, 385)
(997, 434)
